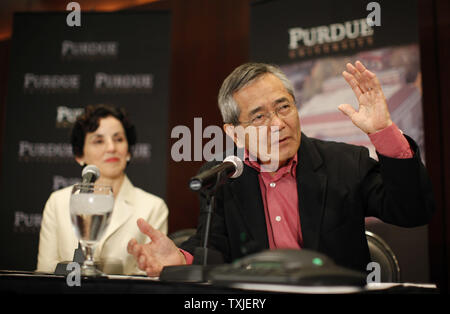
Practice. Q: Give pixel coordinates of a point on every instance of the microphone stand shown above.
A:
(198, 271)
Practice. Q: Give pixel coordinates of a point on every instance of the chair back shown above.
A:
(381, 253)
(182, 235)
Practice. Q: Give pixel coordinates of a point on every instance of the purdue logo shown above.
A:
(327, 34)
(332, 38)
(89, 50)
(105, 82)
(50, 152)
(66, 117)
(25, 222)
(51, 83)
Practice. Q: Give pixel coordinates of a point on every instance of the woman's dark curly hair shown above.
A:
(89, 122)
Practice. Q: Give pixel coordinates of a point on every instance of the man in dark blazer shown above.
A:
(318, 193)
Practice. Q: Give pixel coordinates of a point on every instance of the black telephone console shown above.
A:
(287, 266)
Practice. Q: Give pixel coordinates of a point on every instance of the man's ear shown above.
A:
(229, 130)
(237, 133)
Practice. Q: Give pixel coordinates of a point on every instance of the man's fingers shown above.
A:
(362, 75)
(372, 82)
(148, 230)
(358, 77)
(134, 248)
(148, 264)
(347, 109)
(353, 83)
(361, 68)
(351, 68)
(131, 245)
(137, 250)
(370, 79)
(142, 262)
(153, 269)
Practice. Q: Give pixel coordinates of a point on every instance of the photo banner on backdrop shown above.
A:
(312, 41)
(56, 70)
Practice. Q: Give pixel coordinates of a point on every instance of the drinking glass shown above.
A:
(91, 206)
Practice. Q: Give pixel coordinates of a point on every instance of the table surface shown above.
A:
(29, 282)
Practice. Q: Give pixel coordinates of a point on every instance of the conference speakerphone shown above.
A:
(284, 266)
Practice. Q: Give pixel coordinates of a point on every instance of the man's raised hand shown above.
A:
(373, 113)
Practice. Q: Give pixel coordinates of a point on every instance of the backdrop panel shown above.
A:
(121, 59)
(312, 41)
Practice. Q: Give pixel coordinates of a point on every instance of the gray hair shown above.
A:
(241, 77)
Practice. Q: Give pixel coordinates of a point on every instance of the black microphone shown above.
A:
(231, 167)
(90, 174)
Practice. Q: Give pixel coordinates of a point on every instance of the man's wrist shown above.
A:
(388, 124)
(390, 142)
(186, 256)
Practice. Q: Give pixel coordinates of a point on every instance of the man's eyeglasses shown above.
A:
(282, 111)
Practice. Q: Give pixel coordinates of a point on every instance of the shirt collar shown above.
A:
(289, 167)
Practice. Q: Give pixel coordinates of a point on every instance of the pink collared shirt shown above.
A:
(280, 196)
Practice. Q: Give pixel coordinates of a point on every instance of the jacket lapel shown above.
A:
(248, 199)
(123, 210)
(311, 188)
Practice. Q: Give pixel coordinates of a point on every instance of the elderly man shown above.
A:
(318, 193)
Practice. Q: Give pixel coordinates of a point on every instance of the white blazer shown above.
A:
(57, 240)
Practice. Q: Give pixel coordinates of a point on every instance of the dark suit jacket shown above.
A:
(338, 186)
